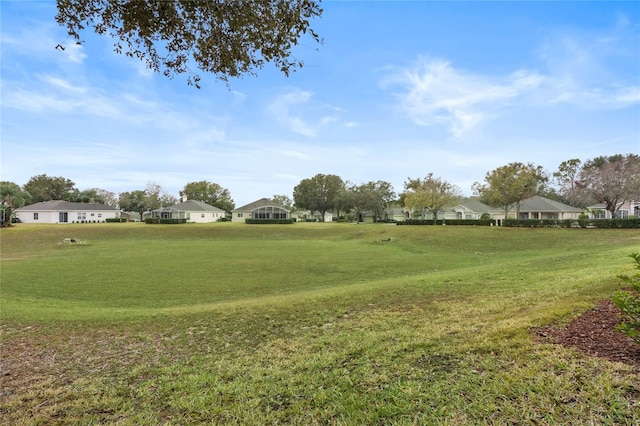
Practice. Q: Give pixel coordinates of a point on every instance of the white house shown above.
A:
(625, 210)
(59, 211)
(312, 216)
(192, 211)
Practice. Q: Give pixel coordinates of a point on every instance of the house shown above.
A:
(538, 207)
(311, 216)
(263, 208)
(191, 210)
(59, 211)
(625, 210)
(468, 208)
(396, 214)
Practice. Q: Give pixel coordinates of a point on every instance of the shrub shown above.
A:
(628, 301)
(269, 221)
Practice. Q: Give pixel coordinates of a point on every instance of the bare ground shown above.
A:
(593, 333)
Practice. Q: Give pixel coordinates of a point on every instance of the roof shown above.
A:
(262, 202)
(61, 205)
(196, 206)
(475, 206)
(541, 204)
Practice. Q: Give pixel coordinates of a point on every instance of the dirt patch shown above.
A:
(593, 333)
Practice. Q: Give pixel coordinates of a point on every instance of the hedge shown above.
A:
(469, 222)
(115, 220)
(157, 220)
(573, 223)
(269, 221)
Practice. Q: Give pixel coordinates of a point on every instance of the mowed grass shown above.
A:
(306, 324)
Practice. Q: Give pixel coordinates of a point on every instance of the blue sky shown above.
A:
(398, 89)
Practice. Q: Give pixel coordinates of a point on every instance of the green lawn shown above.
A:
(305, 324)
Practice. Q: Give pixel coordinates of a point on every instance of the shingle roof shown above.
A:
(541, 204)
(58, 205)
(262, 202)
(475, 206)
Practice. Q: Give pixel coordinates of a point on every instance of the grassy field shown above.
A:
(305, 324)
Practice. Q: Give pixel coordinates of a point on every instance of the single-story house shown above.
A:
(311, 216)
(626, 209)
(192, 211)
(263, 208)
(538, 207)
(59, 211)
(468, 208)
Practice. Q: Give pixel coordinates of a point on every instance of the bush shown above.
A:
(629, 303)
(157, 220)
(468, 222)
(115, 220)
(269, 221)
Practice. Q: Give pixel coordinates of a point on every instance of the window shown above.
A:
(202, 215)
(622, 214)
(239, 214)
(82, 216)
(92, 214)
(35, 216)
(99, 214)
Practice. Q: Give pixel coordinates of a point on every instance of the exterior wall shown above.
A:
(240, 215)
(204, 217)
(72, 216)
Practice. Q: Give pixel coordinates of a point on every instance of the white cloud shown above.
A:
(282, 107)
(297, 112)
(436, 93)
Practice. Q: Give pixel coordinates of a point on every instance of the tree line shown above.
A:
(610, 180)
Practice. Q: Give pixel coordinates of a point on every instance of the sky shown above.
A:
(397, 90)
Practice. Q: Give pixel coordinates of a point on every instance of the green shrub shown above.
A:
(468, 222)
(628, 301)
(115, 220)
(269, 221)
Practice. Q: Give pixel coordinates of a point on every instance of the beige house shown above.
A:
(263, 208)
(59, 211)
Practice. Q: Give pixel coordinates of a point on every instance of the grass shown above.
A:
(305, 324)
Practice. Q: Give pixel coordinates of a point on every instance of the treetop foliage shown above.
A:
(227, 38)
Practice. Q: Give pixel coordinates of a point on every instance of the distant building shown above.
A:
(59, 211)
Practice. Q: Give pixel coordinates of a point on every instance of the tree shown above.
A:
(134, 201)
(227, 38)
(283, 200)
(153, 197)
(46, 188)
(430, 194)
(373, 196)
(611, 180)
(11, 197)
(565, 178)
(210, 193)
(508, 185)
(318, 193)
(94, 195)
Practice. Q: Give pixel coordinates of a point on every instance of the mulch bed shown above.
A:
(593, 333)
